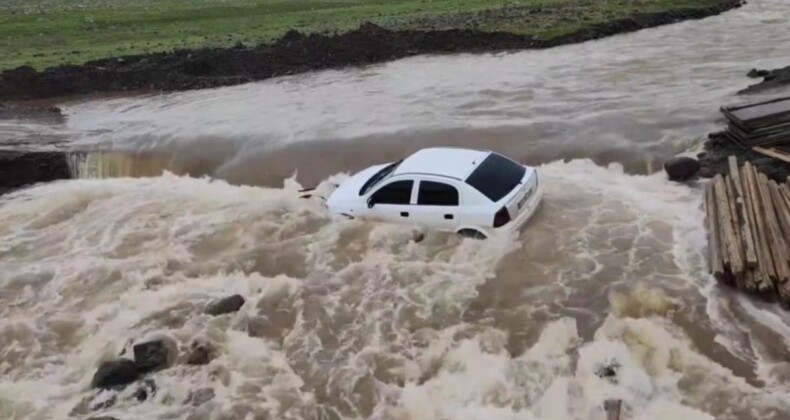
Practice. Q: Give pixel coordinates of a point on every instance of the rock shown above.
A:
(101, 418)
(200, 354)
(754, 73)
(150, 356)
(225, 305)
(608, 372)
(115, 373)
(145, 390)
(681, 168)
(199, 397)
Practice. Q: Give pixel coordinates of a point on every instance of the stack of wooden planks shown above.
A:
(748, 221)
(764, 123)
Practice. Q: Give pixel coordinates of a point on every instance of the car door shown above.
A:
(438, 204)
(391, 202)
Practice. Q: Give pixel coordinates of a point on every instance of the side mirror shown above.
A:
(371, 202)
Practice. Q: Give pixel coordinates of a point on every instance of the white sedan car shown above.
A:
(473, 193)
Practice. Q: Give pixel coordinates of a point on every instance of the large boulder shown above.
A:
(225, 305)
(681, 168)
(115, 373)
(151, 356)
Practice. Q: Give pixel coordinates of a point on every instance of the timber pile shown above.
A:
(748, 221)
(763, 127)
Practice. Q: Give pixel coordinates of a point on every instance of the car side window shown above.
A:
(437, 194)
(398, 192)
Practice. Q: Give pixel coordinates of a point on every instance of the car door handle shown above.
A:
(404, 214)
(448, 216)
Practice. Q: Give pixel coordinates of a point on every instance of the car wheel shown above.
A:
(471, 233)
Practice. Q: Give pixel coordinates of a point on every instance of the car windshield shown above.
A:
(379, 176)
(496, 176)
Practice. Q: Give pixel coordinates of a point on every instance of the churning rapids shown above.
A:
(346, 319)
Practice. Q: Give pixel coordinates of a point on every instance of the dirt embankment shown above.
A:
(718, 148)
(296, 53)
(771, 79)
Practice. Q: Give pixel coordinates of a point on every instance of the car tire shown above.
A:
(472, 233)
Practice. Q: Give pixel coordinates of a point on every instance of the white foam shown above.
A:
(356, 318)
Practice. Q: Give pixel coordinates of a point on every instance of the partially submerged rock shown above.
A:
(226, 305)
(115, 373)
(151, 356)
(608, 371)
(681, 168)
(772, 79)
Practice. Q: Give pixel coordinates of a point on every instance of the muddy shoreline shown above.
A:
(717, 148)
(297, 53)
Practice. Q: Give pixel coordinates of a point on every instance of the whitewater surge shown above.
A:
(347, 319)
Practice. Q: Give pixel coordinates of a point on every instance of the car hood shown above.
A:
(349, 190)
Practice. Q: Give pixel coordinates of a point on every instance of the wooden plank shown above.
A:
(764, 254)
(749, 279)
(746, 225)
(612, 408)
(736, 228)
(775, 238)
(772, 153)
(714, 244)
(760, 275)
(782, 204)
(726, 226)
(782, 212)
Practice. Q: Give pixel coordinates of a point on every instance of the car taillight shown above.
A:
(501, 218)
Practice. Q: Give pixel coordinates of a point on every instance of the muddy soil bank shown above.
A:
(717, 149)
(296, 53)
(19, 169)
(772, 79)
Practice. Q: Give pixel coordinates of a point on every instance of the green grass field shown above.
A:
(44, 33)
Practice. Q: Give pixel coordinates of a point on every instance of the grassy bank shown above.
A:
(45, 33)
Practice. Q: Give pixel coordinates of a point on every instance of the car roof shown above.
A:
(442, 161)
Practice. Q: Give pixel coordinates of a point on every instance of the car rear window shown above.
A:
(496, 176)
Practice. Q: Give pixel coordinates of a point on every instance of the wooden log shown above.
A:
(750, 279)
(746, 224)
(772, 153)
(760, 275)
(783, 216)
(612, 408)
(773, 231)
(784, 198)
(782, 211)
(764, 257)
(736, 228)
(715, 261)
(726, 226)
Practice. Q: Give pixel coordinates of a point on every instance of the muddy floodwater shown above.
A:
(187, 197)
